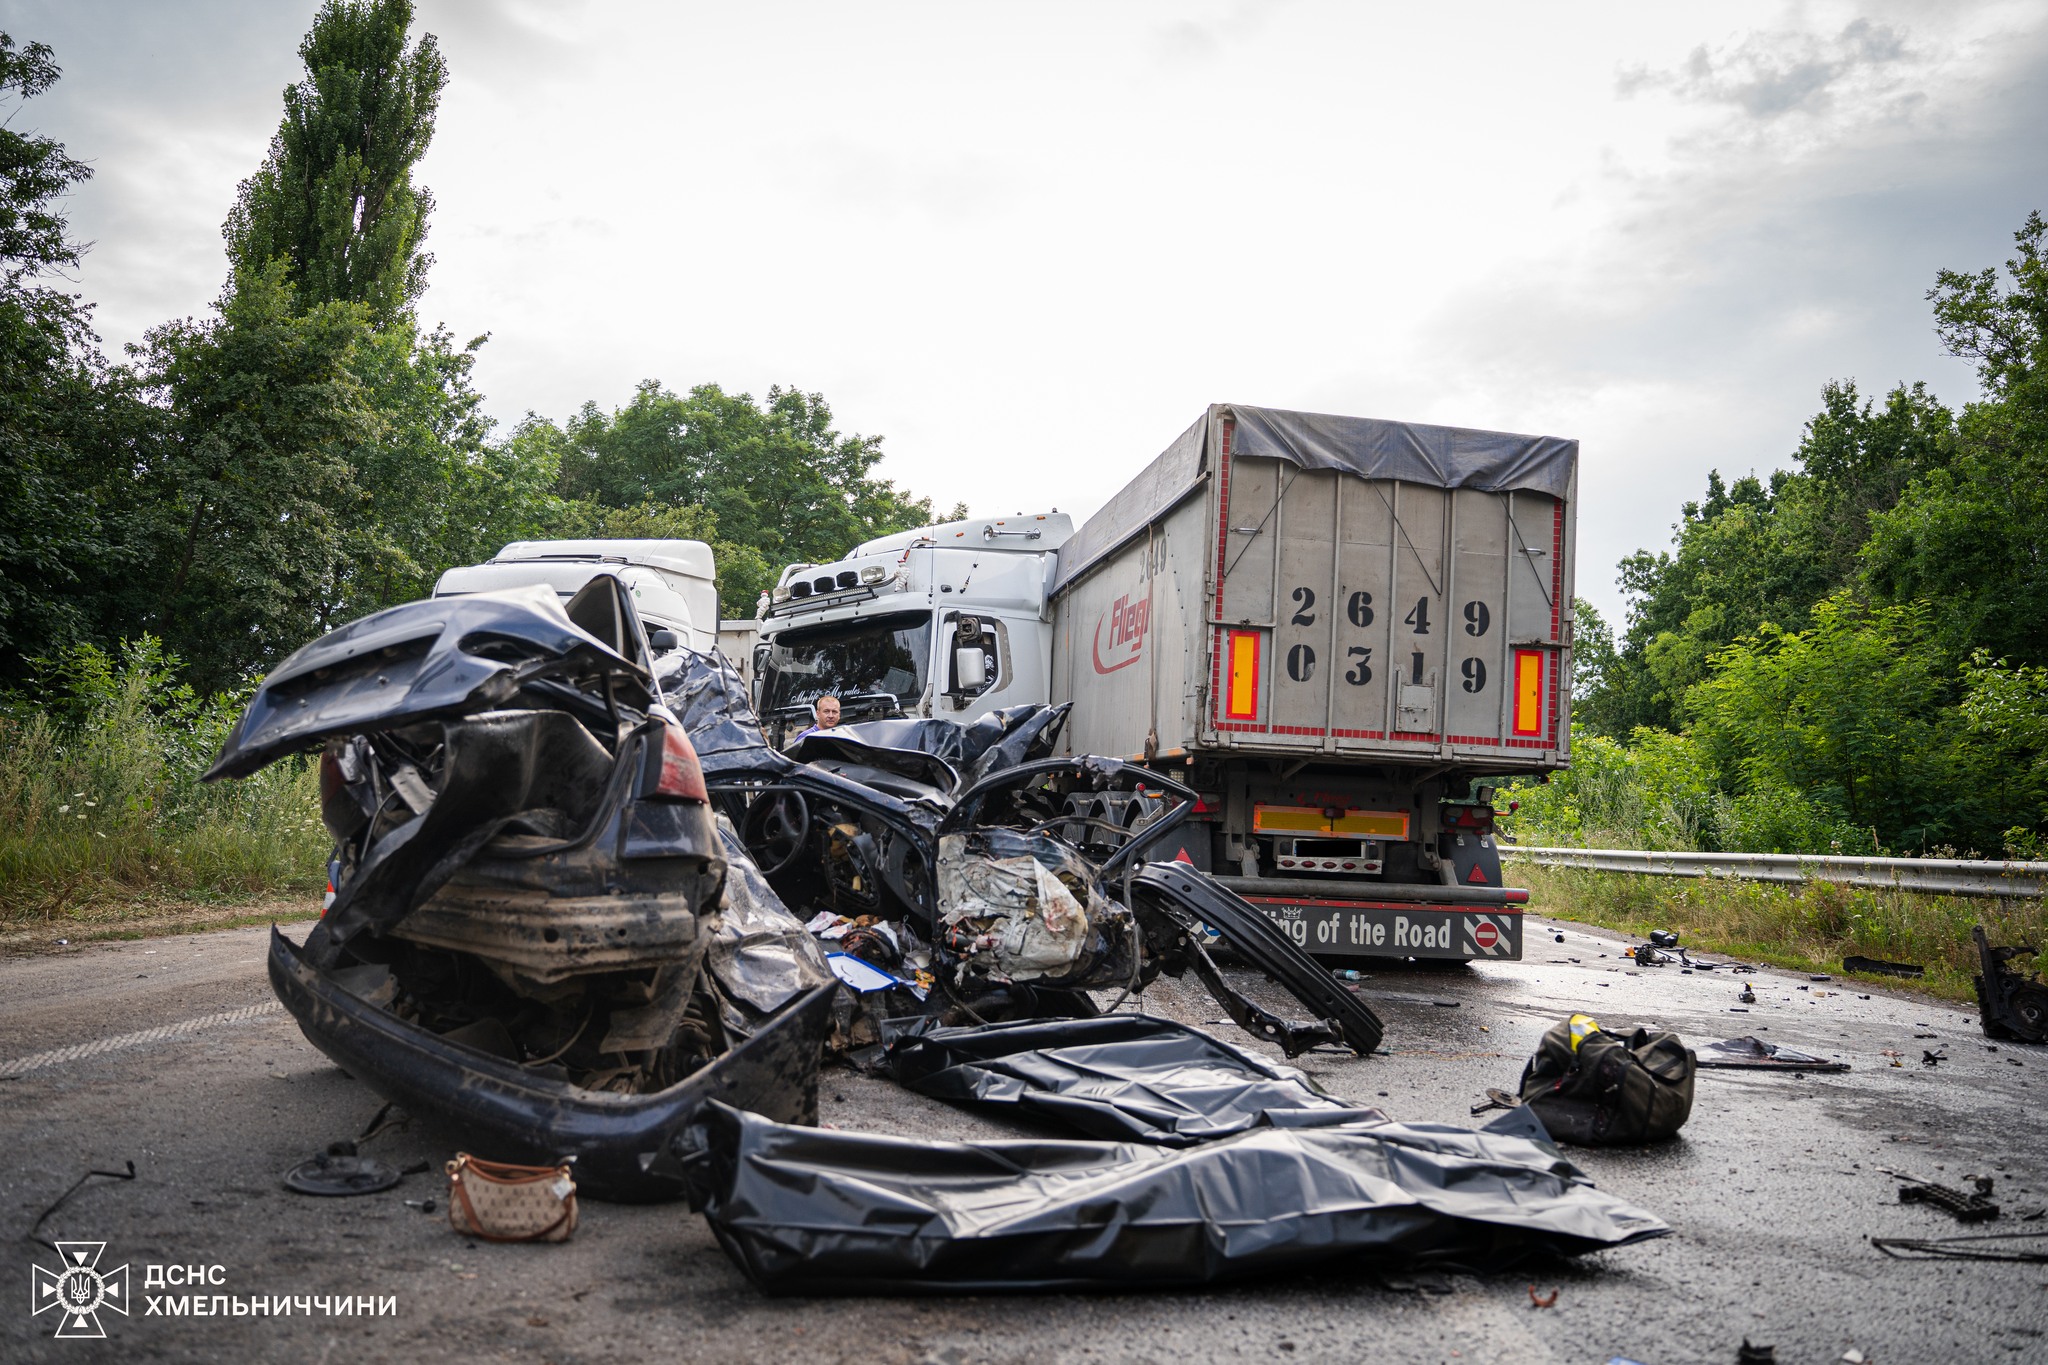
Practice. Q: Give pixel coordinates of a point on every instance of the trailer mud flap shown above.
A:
(1333, 928)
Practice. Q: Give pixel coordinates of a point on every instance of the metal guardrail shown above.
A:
(1939, 876)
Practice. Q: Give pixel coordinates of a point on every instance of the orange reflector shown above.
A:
(1241, 685)
(1528, 691)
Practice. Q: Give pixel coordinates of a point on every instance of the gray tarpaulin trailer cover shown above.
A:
(1412, 452)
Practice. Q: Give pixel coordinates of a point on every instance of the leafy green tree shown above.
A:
(780, 484)
(264, 406)
(335, 199)
(58, 421)
(1753, 554)
(2006, 710)
(1972, 535)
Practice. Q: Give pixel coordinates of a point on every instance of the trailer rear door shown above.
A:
(1357, 616)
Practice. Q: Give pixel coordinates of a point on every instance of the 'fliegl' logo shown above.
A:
(80, 1290)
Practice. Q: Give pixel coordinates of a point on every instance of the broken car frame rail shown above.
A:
(1934, 876)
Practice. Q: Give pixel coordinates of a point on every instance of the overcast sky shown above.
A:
(1028, 243)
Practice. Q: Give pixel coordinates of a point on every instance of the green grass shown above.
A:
(1807, 928)
(103, 815)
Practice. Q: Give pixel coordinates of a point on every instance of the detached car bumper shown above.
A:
(509, 1113)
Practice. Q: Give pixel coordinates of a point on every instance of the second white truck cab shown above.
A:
(673, 582)
(948, 620)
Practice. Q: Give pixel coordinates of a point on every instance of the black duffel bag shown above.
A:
(1601, 1089)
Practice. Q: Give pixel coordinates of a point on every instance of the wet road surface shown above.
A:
(173, 1054)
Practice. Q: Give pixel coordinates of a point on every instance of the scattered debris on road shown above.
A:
(1964, 1206)
(341, 1174)
(1872, 966)
(1537, 1300)
(2028, 1247)
(2011, 1004)
(1751, 1053)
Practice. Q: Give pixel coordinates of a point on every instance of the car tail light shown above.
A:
(682, 778)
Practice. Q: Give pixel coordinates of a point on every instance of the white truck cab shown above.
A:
(948, 620)
(672, 581)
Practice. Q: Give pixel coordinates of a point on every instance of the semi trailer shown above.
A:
(1338, 630)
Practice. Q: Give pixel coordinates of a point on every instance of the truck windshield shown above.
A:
(876, 667)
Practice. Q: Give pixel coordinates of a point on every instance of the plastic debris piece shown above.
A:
(1967, 1208)
(1753, 1053)
(865, 976)
(2028, 1247)
(1879, 967)
(1756, 1355)
(341, 1175)
(810, 1211)
(2010, 1004)
(1537, 1300)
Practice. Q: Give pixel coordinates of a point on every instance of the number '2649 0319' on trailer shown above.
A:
(1336, 629)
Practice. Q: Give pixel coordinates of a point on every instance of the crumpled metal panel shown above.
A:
(760, 952)
(507, 1112)
(707, 695)
(1123, 1077)
(1024, 907)
(804, 1211)
(417, 662)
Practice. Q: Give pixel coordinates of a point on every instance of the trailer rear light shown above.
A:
(681, 777)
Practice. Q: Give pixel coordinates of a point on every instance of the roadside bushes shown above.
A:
(100, 798)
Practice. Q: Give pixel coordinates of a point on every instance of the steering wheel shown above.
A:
(776, 829)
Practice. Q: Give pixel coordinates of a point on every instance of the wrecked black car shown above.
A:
(563, 874)
(529, 921)
(1014, 880)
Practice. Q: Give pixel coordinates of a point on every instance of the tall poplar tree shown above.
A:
(335, 198)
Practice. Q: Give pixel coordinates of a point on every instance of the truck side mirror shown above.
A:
(662, 641)
(970, 669)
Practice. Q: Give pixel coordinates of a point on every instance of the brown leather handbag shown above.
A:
(503, 1203)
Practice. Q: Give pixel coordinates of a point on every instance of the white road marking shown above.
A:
(21, 1066)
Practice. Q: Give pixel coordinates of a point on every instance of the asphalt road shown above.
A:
(172, 1054)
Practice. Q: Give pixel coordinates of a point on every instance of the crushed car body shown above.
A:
(563, 874)
(992, 853)
(534, 906)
